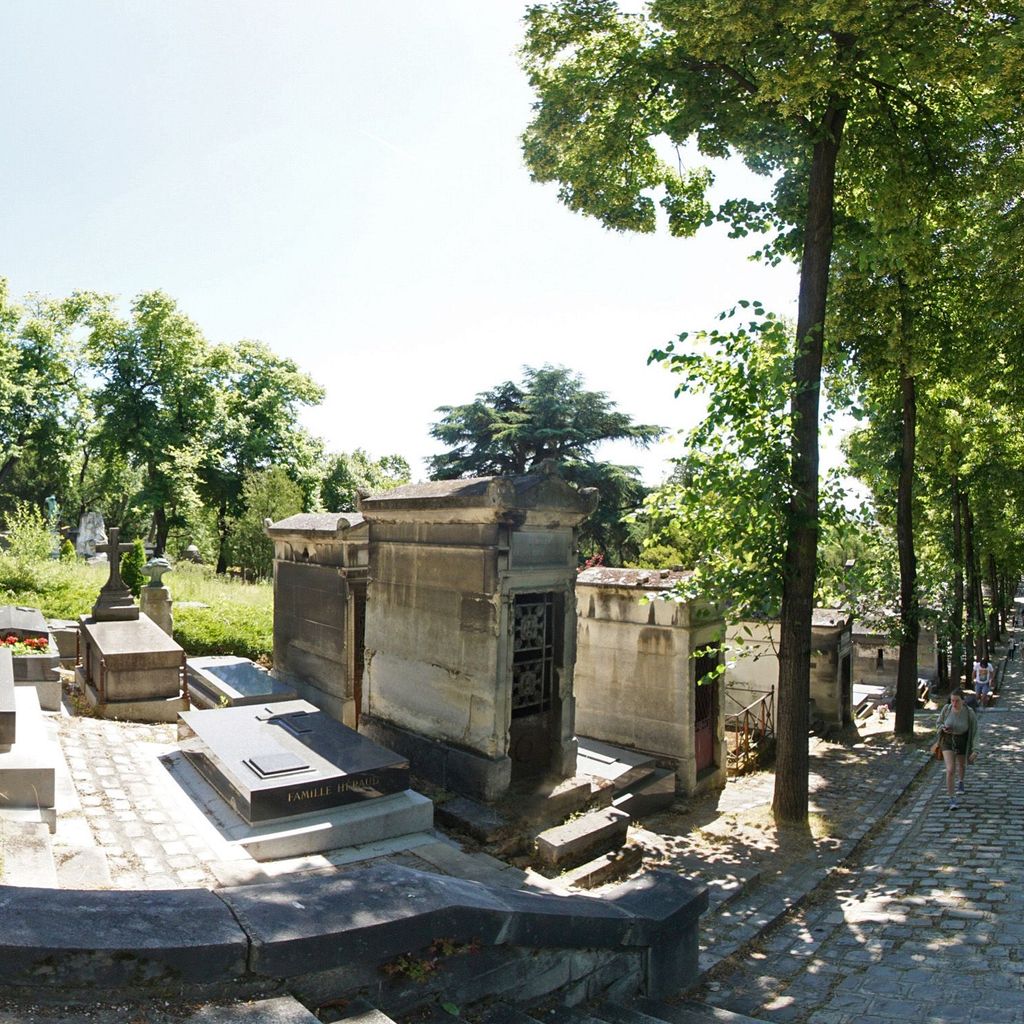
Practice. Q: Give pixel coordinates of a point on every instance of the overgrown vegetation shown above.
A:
(212, 614)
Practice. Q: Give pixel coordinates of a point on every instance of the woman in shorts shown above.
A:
(957, 735)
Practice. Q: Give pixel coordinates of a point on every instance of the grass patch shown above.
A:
(221, 615)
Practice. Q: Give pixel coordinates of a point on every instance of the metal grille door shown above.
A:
(533, 653)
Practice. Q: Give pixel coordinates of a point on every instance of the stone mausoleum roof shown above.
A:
(541, 489)
(322, 524)
(637, 579)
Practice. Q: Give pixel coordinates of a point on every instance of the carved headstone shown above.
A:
(91, 531)
(115, 603)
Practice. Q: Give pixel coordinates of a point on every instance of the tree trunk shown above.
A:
(910, 627)
(222, 533)
(993, 612)
(970, 569)
(160, 530)
(956, 668)
(790, 798)
(7, 468)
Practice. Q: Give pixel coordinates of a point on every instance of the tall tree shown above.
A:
(782, 85)
(348, 474)
(259, 397)
(515, 426)
(41, 397)
(156, 399)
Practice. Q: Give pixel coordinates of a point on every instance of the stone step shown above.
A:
(622, 767)
(26, 854)
(690, 1011)
(582, 838)
(502, 1013)
(606, 868)
(617, 1013)
(554, 803)
(281, 1010)
(651, 794)
(461, 814)
(356, 1011)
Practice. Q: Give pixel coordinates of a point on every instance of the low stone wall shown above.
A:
(320, 935)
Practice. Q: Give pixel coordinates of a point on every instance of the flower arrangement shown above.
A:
(28, 645)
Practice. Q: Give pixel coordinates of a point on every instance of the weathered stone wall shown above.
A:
(311, 614)
(754, 667)
(868, 667)
(635, 677)
(432, 622)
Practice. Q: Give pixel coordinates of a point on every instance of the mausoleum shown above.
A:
(876, 655)
(754, 665)
(471, 627)
(320, 572)
(642, 672)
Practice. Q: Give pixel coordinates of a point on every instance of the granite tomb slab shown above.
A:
(224, 680)
(285, 759)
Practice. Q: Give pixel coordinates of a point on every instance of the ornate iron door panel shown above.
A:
(533, 653)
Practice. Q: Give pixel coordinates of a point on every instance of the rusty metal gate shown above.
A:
(705, 703)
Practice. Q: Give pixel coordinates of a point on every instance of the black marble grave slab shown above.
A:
(22, 622)
(287, 758)
(227, 681)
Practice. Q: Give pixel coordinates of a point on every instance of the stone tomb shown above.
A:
(23, 622)
(28, 750)
(641, 668)
(220, 681)
(8, 721)
(320, 579)
(132, 670)
(38, 670)
(297, 780)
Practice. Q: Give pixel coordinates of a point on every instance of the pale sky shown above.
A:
(343, 181)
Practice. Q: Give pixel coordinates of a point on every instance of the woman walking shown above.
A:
(957, 736)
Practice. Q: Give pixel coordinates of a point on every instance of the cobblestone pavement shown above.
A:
(909, 908)
(924, 923)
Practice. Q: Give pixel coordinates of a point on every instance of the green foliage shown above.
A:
(67, 551)
(267, 494)
(512, 428)
(347, 474)
(29, 536)
(724, 507)
(259, 398)
(132, 562)
(226, 629)
(228, 617)
(41, 398)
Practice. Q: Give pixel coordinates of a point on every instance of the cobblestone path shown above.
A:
(925, 924)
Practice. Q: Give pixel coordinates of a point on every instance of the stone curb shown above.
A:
(194, 941)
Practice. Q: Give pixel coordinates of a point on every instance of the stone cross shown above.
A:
(115, 601)
(114, 551)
